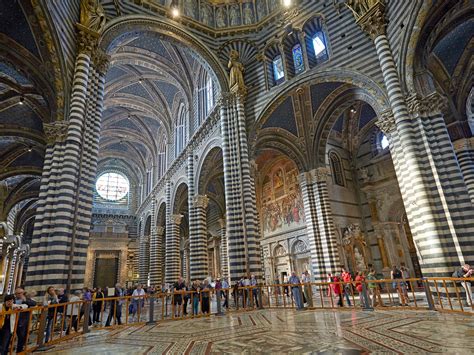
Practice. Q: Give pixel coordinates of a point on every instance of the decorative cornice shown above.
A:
(370, 16)
(55, 132)
(432, 104)
(201, 201)
(386, 122)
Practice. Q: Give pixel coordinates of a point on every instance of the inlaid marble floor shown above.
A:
(288, 331)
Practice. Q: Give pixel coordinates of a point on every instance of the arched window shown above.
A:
(298, 62)
(319, 45)
(336, 169)
(205, 96)
(316, 41)
(162, 154)
(180, 131)
(278, 71)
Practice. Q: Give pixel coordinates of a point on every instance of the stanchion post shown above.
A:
(41, 329)
(87, 314)
(429, 295)
(151, 315)
(218, 303)
(365, 296)
(260, 297)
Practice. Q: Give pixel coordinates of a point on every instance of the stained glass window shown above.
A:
(384, 142)
(298, 59)
(319, 45)
(112, 186)
(278, 72)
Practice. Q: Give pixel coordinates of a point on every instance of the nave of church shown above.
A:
(169, 142)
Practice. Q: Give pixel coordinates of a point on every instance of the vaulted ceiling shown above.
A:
(26, 103)
(149, 78)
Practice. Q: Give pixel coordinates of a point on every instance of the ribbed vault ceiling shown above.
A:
(148, 79)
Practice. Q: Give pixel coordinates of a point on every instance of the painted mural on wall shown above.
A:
(282, 203)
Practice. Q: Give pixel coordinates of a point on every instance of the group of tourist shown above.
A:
(198, 295)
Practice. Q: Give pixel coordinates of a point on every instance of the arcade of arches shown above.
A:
(230, 138)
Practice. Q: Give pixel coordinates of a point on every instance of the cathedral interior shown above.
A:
(146, 140)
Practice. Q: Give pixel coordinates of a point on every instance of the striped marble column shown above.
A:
(155, 248)
(464, 149)
(186, 274)
(172, 256)
(241, 212)
(437, 203)
(55, 235)
(198, 258)
(143, 256)
(224, 255)
(319, 223)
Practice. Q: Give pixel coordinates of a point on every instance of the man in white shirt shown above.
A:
(138, 300)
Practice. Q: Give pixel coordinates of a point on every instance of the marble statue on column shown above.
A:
(92, 15)
(360, 7)
(236, 78)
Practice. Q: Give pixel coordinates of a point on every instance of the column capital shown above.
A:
(370, 16)
(160, 231)
(319, 174)
(87, 40)
(176, 219)
(386, 122)
(222, 223)
(101, 61)
(201, 201)
(55, 131)
(429, 105)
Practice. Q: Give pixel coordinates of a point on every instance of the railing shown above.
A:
(43, 326)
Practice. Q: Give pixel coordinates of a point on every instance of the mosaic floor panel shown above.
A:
(288, 331)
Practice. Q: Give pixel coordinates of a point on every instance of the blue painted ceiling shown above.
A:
(283, 117)
(450, 49)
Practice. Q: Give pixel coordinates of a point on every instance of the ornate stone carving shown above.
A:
(91, 25)
(55, 131)
(160, 231)
(201, 201)
(463, 143)
(236, 77)
(433, 104)
(222, 223)
(386, 122)
(176, 219)
(101, 61)
(320, 174)
(300, 247)
(369, 15)
(92, 16)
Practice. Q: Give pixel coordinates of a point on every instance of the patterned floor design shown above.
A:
(288, 331)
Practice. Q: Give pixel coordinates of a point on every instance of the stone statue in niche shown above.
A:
(359, 259)
(220, 17)
(205, 14)
(261, 9)
(236, 78)
(189, 7)
(234, 15)
(92, 15)
(248, 14)
(360, 7)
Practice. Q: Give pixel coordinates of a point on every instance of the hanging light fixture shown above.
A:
(174, 8)
(22, 100)
(286, 3)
